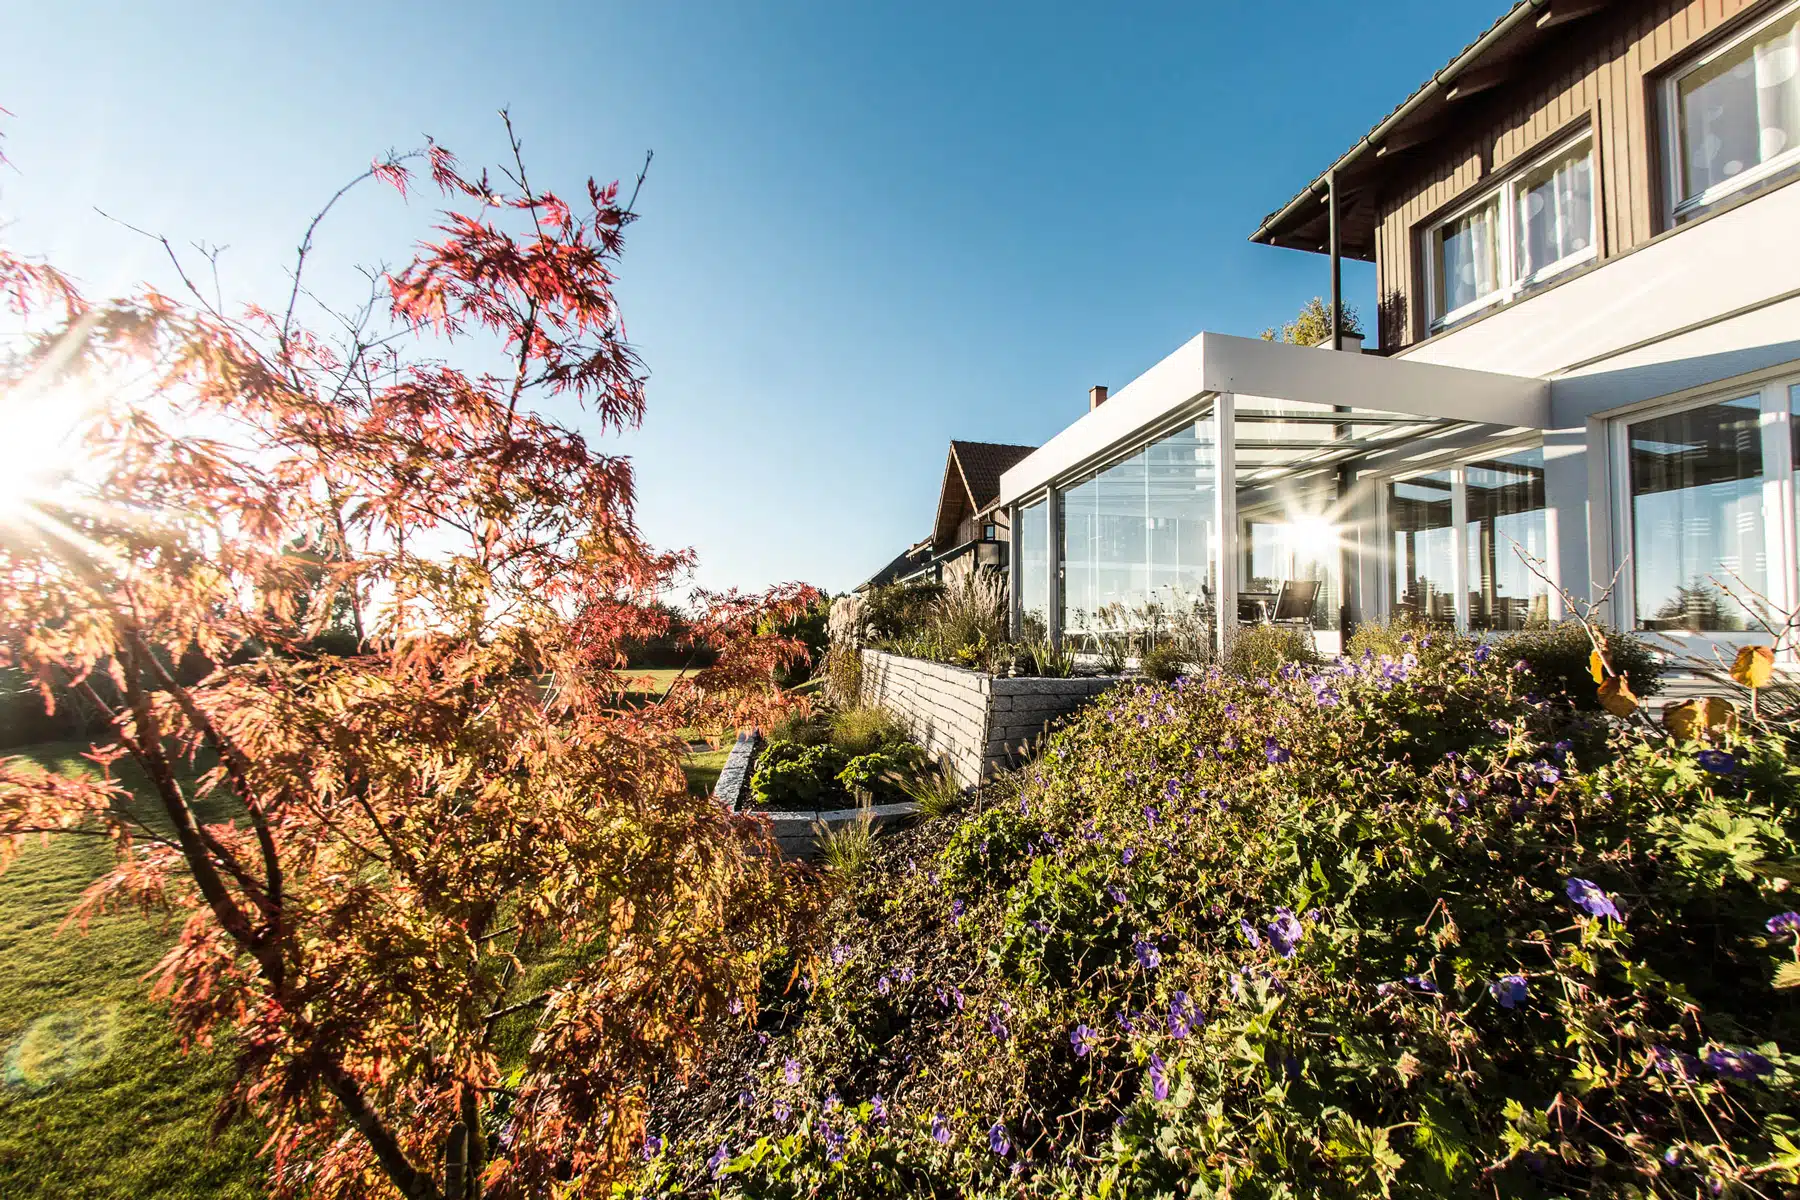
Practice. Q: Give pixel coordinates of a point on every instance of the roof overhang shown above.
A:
(1215, 363)
(1441, 106)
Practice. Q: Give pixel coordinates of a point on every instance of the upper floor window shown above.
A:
(1733, 116)
(1535, 224)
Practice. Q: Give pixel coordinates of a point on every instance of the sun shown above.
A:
(39, 445)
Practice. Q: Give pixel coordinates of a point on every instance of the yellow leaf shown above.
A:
(1754, 666)
(1596, 666)
(1694, 719)
(1616, 697)
(1787, 975)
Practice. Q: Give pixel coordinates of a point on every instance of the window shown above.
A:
(1506, 519)
(1140, 539)
(987, 533)
(1733, 117)
(1697, 515)
(1536, 224)
(1419, 514)
(1033, 536)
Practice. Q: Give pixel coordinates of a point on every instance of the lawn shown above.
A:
(96, 1098)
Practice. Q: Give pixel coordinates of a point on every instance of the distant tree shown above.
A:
(457, 830)
(1313, 325)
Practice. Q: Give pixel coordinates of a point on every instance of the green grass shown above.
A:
(702, 769)
(96, 1098)
(652, 679)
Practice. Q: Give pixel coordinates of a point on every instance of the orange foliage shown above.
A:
(465, 793)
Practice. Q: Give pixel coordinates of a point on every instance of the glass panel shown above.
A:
(1033, 540)
(1506, 517)
(1286, 533)
(1696, 512)
(1140, 539)
(1555, 210)
(1420, 520)
(1468, 257)
(1742, 109)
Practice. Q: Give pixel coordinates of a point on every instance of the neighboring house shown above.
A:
(972, 529)
(1587, 239)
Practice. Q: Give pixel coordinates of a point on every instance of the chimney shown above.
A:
(1096, 396)
(1353, 342)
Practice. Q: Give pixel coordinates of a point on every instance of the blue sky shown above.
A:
(869, 228)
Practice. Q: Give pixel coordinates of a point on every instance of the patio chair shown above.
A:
(1295, 602)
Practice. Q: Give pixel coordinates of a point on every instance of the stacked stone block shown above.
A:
(975, 722)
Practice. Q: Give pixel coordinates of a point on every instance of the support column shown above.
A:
(1015, 577)
(1459, 546)
(1053, 558)
(1337, 265)
(1225, 455)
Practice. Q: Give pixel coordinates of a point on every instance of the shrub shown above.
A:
(1164, 663)
(1257, 650)
(1557, 657)
(898, 610)
(881, 775)
(802, 727)
(865, 729)
(789, 775)
(1400, 635)
(843, 675)
(1378, 927)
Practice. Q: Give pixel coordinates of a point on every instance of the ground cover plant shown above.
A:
(835, 760)
(1396, 925)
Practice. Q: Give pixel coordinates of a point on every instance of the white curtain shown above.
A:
(1470, 257)
(1778, 93)
(1556, 217)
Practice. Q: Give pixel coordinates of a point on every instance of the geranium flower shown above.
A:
(1589, 897)
(1482, 651)
(997, 1141)
(1674, 1062)
(1787, 922)
(791, 1070)
(1285, 932)
(1273, 751)
(1250, 934)
(783, 1110)
(1734, 1063)
(652, 1146)
(1150, 816)
(878, 1108)
(834, 1144)
(716, 1164)
(746, 1098)
(956, 907)
(1082, 1039)
(735, 1007)
(1422, 983)
(1159, 1082)
(1126, 855)
(1717, 761)
(997, 1027)
(832, 1103)
(1118, 897)
(1509, 990)
(940, 1129)
(1148, 956)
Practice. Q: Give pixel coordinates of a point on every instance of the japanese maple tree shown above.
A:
(462, 827)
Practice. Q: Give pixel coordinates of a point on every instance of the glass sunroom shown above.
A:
(1243, 482)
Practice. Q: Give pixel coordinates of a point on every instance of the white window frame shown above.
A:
(1456, 464)
(1680, 206)
(1511, 285)
(1779, 533)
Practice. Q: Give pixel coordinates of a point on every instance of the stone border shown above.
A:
(733, 787)
(797, 833)
(975, 722)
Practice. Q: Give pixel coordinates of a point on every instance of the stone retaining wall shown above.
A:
(975, 722)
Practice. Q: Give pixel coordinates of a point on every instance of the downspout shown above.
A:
(1337, 263)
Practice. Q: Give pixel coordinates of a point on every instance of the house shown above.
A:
(972, 529)
(1587, 239)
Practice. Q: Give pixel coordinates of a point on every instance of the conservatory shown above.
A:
(1246, 482)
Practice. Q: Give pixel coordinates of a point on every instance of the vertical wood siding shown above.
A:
(1603, 73)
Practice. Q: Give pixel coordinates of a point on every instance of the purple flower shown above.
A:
(997, 1140)
(832, 1103)
(652, 1146)
(1717, 761)
(1250, 934)
(1734, 1063)
(997, 1027)
(878, 1108)
(1038, 927)
(716, 1163)
(1124, 1020)
(791, 1070)
(1159, 1082)
(1548, 773)
(1423, 984)
(1180, 1014)
(1118, 897)
(1509, 990)
(1285, 932)
(1082, 1039)
(783, 1110)
(834, 1144)
(1172, 790)
(1148, 956)
(1149, 816)
(735, 1007)
(1482, 651)
(1090, 832)
(1589, 897)
(956, 907)
(1674, 1062)
(940, 1129)
(1521, 667)
(746, 1098)
(1126, 855)
(1787, 922)
(1273, 751)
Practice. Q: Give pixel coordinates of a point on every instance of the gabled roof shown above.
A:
(1434, 109)
(903, 564)
(971, 484)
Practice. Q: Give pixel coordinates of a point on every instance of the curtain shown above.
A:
(1469, 252)
(1778, 93)
(1556, 213)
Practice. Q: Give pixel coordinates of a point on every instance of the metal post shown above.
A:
(1053, 556)
(1337, 266)
(1015, 572)
(1225, 496)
